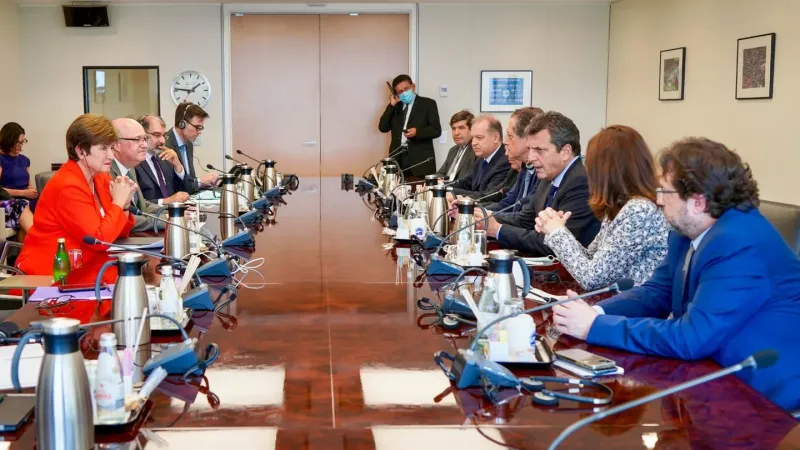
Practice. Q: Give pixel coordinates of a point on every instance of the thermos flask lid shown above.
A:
(502, 254)
(130, 257)
(59, 326)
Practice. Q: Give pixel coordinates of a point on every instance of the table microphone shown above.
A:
(476, 204)
(248, 156)
(467, 367)
(231, 158)
(620, 286)
(759, 360)
(91, 240)
(418, 164)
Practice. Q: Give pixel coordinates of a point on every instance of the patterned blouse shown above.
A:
(630, 246)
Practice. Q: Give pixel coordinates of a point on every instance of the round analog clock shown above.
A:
(191, 86)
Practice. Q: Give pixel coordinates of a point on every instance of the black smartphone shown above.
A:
(80, 287)
(388, 85)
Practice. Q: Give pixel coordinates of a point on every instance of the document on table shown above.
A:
(29, 365)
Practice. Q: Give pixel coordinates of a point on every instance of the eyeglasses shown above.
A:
(138, 140)
(56, 305)
(661, 191)
(197, 127)
(157, 135)
(22, 142)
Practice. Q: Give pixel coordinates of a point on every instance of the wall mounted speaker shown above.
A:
(86, 16)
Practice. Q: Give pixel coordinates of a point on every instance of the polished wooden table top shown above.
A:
(328, 354)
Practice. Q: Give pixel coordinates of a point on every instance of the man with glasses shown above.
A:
(129, 153)
(189, 120)
(414, 123)
(161, 175)
(729, 287)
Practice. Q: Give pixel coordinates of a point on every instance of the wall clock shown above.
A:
(191, 86)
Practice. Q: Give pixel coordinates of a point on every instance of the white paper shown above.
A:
(194, 262)
(29, 364)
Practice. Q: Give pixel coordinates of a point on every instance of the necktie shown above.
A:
(551, 195)
(482, 174)
(525, 185)
(162, 184)
(184, 158)
(687, 265)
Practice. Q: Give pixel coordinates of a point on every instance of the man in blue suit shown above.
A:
(517, 152)
(729, 287)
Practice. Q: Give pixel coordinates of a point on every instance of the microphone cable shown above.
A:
(245, 269)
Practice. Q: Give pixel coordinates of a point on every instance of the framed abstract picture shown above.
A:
(672, 74)
(506, 90)
(755, 65)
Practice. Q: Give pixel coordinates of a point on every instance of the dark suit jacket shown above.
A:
(572, 195)
(515, 193)
(148, 183)
(742, 296)
(475, 186)
(467, 161)
(504, 187)
(141, 223)
(425, 118)
(189, 182)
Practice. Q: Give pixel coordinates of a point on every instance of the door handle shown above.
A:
(309, 143)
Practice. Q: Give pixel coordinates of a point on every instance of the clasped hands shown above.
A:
(122, 189)
(551, 220)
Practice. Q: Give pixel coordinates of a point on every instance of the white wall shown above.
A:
(762, 131)
(565, 46)
(9, 74)
(175, 38)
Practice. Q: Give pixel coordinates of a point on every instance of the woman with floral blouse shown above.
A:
(632, 240)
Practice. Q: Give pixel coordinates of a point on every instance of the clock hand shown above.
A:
(184, 90)
(198, 84)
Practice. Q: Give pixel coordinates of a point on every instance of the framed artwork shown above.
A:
(755, 65)
(506, 90)
(672, 74)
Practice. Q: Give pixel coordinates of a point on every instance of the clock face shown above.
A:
(191, 86)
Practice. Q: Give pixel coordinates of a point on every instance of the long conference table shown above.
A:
(331, 354)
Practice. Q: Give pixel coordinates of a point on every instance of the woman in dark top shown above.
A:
(15, 174)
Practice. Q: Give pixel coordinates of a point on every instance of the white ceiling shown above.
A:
(116, 2)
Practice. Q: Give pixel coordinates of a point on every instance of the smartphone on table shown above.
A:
(586, 360)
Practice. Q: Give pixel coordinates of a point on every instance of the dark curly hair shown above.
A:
(705, 167)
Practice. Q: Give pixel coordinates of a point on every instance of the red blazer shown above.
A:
(67, 209)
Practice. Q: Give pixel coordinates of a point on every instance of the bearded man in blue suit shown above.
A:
(729, 287)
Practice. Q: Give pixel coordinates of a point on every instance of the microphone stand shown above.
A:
(137, 211)
(760, 360)
(485, 216)
(613, 287)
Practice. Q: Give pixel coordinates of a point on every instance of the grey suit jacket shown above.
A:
(467, 162)
(141, 223)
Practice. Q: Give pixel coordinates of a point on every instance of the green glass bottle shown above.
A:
(61, 266)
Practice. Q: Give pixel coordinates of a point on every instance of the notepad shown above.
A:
(43, 293)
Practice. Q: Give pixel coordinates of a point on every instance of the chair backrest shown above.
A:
(42, 179)
(786, 219)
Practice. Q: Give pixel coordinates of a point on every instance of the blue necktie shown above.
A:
(551, 195)
(184, 157)
(687, 266)
(482, 173)
(521, 196)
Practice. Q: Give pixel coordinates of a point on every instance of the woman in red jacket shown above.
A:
(81, 200)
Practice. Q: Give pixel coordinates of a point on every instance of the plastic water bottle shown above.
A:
(171, 302)
(109, 389)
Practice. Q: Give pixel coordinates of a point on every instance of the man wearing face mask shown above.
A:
(414, 123)
(161, 174)
(517, 151)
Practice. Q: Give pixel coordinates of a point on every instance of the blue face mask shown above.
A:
(407, 97)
